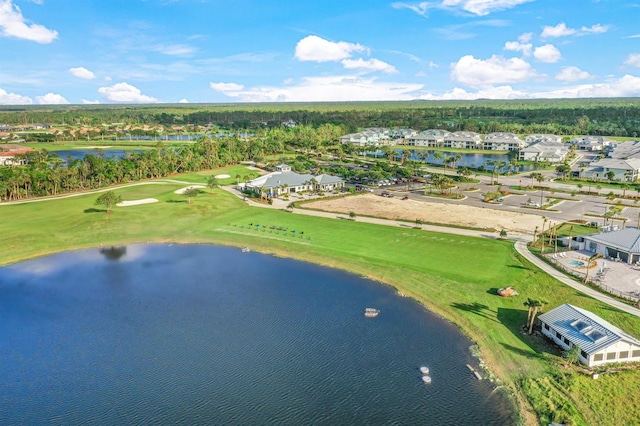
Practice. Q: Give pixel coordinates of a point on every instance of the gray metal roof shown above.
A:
(627, 239)
(585, 329)
(292, 179)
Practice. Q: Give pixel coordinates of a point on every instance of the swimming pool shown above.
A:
(576, 263)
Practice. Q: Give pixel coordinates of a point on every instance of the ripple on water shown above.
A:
(205, 335)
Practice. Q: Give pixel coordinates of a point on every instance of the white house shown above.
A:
(375, 136)
(544, 150)
(623, 169)
(286, 181)
(591, 143)
(469, 140)
(503, 141)
(542, 137)
(623, 244)
(599, 341)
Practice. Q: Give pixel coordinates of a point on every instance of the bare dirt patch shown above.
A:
(137, 202)
(440, 213)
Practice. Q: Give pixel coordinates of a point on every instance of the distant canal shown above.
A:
(207, 335)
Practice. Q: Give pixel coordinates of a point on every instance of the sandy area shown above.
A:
(438, 213)
(183, 190)
(137, 202)
(223, 176)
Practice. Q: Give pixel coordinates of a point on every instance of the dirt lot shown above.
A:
(438, 213)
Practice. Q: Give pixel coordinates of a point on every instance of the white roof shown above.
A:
(585, 329)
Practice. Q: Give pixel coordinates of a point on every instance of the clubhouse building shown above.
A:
(599, 341)
(622, 245)
(285, 181)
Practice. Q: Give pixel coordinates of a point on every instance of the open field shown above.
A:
(451, 275)
(438, 213)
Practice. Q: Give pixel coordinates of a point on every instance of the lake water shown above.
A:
(79, 154)
(197, 334)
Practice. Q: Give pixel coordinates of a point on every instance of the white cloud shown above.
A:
(499, 92)
(82, 72)
(330, 88)
(52, 99)
(476, 7)
(433, 65)
(633, 60)
(516, 46)
(88, 102)
(547, 53)
(13, 24)
(495, 70)
(369, 65)
(124, 92)
(174, 49)
(421, 74)
(572, 74)
(183, 101)
(625, 86)
(226, 87)
(13, 98)
(525, 37)
(561, 30)
(316, 49)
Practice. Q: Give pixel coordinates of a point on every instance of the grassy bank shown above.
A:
(456, 277)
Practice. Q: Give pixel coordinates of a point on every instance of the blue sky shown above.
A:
(147, 51)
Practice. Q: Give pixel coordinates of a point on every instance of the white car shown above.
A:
(533, 204)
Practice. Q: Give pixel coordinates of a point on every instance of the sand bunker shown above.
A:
(137, 202)
(223, 176)
(183, 190)
(443, 213)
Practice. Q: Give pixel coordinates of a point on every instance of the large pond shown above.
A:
(196, 334)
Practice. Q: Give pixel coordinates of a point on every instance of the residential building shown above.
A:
(8, 155)
(502, 141)
(285, 181)
(544, 149)
(622, 245)
(591, 143)
(469, 140)
(599, 341)
(375, 136)
(542, 137)
(623, 169)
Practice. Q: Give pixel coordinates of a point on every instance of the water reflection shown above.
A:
(114, 253)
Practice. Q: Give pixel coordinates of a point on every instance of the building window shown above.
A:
(635, 354)
(584, 355)
(566, 341)
(598, 357)
(558, 335)
(624, 354)
(546, 326)
(611, 355)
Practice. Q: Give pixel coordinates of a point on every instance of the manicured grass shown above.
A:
(456, 277)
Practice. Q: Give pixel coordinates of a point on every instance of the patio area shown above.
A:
(617, 278)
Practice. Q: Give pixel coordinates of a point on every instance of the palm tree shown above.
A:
(212, 182)
(590, 263)
(534, 306)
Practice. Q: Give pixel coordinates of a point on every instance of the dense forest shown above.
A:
(610, 117)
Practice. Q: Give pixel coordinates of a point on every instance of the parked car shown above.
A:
(533, 204)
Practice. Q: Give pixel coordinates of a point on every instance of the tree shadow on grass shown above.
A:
(514, 320)
(476, 308)
(177, 201)
(93, 210)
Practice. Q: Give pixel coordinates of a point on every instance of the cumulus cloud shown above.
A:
(495, 70)
(183, 101)
(476, 7)
(499, 92)
(52, 99)
(547, 53)
(89, 102)
(516, 46)
(625, 86)
(369, 65)
(13, 98)
(633, 60)
(329, 88)
(13, 24)
(124, 92)
(82, 72)
(226, 87)
(572, 74)
(561, 30)
(316, 49)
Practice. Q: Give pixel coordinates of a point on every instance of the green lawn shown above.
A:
(456, 277)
